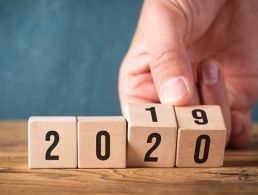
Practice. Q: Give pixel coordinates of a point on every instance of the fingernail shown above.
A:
(173, 89)
(210, 73)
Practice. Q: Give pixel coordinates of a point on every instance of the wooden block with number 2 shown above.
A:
(152, 134)
(52, 142)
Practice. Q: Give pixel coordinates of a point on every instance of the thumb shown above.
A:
(169, 64)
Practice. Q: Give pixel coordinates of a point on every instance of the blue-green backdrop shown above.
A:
(61, 57)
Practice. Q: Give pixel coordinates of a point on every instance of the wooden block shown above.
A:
(52, 142)
(201, 136)
(152, 134)
(101, 142)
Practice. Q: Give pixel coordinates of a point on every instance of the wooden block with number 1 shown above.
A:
(152, 134)
(52, 142)
(201, 136)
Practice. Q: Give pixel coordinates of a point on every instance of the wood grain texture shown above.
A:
(239, 174)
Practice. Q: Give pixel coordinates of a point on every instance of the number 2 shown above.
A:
(148, 158)
(53, 145)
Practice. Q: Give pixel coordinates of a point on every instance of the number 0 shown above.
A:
(107, 145)
(204, 158)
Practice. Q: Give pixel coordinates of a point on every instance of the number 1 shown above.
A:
(153, 113)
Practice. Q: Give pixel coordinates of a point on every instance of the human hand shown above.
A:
(196, 52)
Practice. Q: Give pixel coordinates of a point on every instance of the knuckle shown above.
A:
(163, 57)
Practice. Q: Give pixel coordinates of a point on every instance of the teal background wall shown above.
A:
(61, 57)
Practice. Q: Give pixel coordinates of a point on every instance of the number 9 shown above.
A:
(200, 116)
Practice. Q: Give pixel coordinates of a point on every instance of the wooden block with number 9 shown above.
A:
(201, 136)
(52, 142)
(152, 134)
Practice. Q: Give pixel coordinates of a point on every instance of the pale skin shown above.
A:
(193, 52)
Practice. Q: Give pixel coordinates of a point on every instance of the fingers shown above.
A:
(169, 64)
(135, 80)
(241, 129)
(213, 89)
(139, 88)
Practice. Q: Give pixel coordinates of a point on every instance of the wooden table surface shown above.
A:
(239, 174)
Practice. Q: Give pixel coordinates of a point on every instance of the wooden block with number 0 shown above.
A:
(101, 142)
(152, 134)
(52, 142)
(201, 136)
